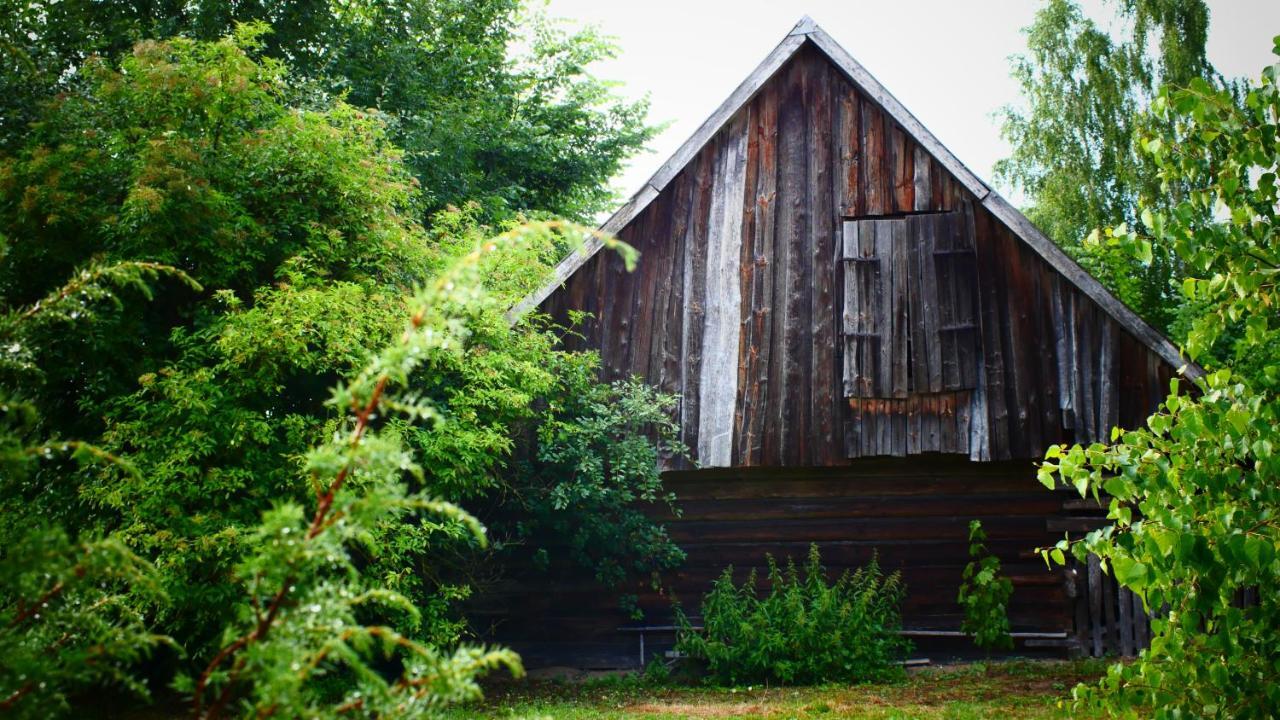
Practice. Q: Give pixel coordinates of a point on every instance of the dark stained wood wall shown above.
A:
(912, 512)
(737, 302)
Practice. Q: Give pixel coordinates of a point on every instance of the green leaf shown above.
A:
(1128, 572)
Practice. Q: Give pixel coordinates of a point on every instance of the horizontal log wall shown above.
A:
(911, 512)
(736, 305)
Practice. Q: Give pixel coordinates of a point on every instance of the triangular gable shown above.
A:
(807, 32)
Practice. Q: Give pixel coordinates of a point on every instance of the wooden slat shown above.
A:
(903, 168)
(718, 387)
(1095, 605)
(900, 330)
(762, 299)
(920, 322)
(793, 268)
(876, 186)
(848, 135)
(1107, 401)
(823, 371)
(923, 191)
(1125, 620)
(743, 405)
(884, 306)
(695, 283)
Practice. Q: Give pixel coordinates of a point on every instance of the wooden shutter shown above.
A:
(910, 305)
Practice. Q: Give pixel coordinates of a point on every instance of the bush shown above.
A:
(1194, 496)
(984, 595)
(805, 631)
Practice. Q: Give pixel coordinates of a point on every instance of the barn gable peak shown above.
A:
(806, 32)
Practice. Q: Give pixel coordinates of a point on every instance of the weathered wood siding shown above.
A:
(911, 513)
(741, 299)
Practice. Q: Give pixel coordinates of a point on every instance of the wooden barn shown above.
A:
(871, 347)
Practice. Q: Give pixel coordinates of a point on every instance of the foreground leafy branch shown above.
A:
(303, 617)
(1194, 496)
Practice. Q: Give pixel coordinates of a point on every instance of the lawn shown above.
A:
(1008, 691)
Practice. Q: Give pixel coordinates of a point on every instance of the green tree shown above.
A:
(1194, 496)
(526, 131)
(302, 226)
(1074, 153)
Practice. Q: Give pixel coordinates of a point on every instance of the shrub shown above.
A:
(984, 595)
(1194, 496)
(804, 631)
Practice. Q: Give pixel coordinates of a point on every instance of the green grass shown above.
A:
(1005, 691)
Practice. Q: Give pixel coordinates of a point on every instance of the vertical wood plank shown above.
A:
(1095, 605)
(903, 168)
(900, 329)
(1125, 618)
(923, 193)
(849, 135)
(1013, 298)
(695, 283)
(794, 290)
(884, 306)
(823, 369)
(668, 373)
(1086, 356)
(718, 386)
(988, 279)
(743, 407)
(875, 183)
(946, 233)
(1107, 400)
(762, 298)
(917, 314)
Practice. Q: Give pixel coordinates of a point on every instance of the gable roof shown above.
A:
(807, 31)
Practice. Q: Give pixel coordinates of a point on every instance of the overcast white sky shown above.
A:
(946, 60)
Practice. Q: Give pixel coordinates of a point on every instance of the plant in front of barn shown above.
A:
(805, 630)
(588, 475)
(984, 595)
(1194, 497)
(308, 612)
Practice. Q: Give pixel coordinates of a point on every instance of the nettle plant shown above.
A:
(805, 631)
(984, 595)
(1194, 497)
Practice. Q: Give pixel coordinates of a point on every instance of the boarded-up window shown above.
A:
(910, 305)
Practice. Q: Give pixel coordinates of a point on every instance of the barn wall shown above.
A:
(736, 304)
(912, 512)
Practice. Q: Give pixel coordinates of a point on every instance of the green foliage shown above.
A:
(279, 233)
(804, 631)
(984, 595)
(306, 601)
(1075, 142)
(72, 612)
(526, 130)
(591, 470)
(67, 621)
(1195, 495)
